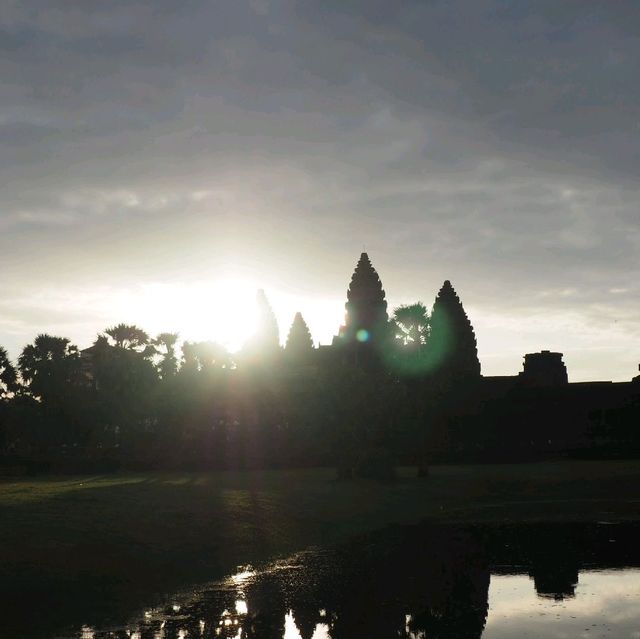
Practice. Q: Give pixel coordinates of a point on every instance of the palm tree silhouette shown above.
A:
(166, 342)
(128, 336)
(8, 375)
(412, 325)
(48, 362)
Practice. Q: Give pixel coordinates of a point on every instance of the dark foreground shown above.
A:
(93, 551)
(432, 581)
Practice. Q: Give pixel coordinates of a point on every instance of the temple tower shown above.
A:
(452, 341)
(264, 344)
(366, 318)
(299, 343)
(544, 369)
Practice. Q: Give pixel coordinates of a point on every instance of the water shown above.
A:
(430, 582)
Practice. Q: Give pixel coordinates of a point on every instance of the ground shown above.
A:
(107, 544)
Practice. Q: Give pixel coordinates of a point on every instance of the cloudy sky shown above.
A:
(161, 160)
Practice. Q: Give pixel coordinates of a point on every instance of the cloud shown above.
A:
(495, 144)
(604, 600)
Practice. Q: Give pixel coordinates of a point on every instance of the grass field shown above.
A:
(106, 544)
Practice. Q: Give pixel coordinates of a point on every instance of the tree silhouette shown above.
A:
(48, 364)
(130, 337)
(125, 379)
(51, 372)
(166, 343)
(8, 375)
(452, 343)
(205, 356)
(8, 386)
(299, 342)
(412, 325)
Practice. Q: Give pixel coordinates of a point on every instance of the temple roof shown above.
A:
(366, 309)
(365, 284)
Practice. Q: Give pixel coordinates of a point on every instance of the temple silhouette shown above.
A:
(537, 411)
(401, 387)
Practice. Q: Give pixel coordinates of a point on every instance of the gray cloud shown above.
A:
(493, 143)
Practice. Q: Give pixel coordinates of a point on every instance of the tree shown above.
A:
(49, 364)
(130, 337)
(126, 381)
(407, 347)
(166, 343)
(8, 375)
(205, 356)
(299, 342)
(51, 371)
(8, 386)
(412, 325)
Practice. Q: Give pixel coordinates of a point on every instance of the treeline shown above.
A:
(140, 401)
(413, 396)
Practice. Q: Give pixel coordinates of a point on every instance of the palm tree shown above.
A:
(48, 364)
(8, 376)
(412, 325)
(130, 337)
(168, 365)
(125, 381)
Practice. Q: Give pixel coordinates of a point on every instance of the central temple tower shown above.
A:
(366, 316)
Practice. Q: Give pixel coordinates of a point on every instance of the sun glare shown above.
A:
(222, 311)
(231, 314)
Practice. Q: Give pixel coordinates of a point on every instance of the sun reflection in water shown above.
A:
(290, 629)
(87, 632)
(321, 632)
(243, 576)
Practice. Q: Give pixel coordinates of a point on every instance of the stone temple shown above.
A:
(366, 308)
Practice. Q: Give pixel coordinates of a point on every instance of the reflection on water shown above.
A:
(423, 582)
(605, 605)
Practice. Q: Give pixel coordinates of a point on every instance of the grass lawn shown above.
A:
(83, 548)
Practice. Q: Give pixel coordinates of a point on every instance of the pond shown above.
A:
(427, 581)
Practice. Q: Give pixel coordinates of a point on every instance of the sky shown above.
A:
(161, 160)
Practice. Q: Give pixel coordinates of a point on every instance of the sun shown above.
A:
(231, 313)
(221, 311)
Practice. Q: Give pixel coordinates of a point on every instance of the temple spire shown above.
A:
(299, 342)
(265, 342)
(366, 308)
(452, 342)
